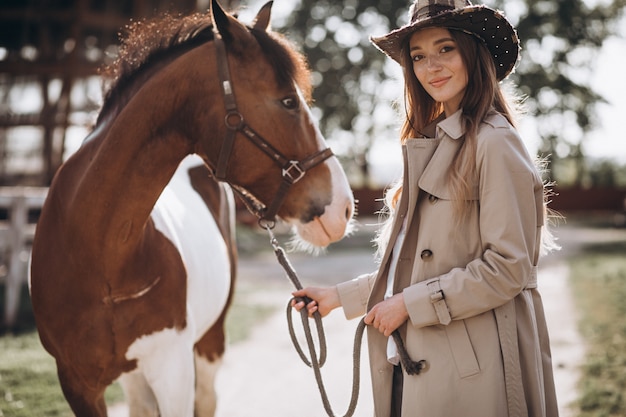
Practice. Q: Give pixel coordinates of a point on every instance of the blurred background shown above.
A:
(571, 79)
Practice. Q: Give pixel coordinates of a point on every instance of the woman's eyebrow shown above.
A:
(437, 42)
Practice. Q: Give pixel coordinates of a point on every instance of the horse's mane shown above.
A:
(150, 42)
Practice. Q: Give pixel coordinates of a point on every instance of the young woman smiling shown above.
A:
(459, 250)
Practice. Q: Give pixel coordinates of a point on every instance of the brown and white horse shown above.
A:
(133, 260)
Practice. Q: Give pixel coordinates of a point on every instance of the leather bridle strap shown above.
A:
(291, 171)
(291, 174)
(231, 108)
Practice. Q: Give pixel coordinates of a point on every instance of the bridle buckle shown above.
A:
(289, 175)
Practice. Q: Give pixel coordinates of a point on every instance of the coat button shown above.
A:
(426, 254)
(433, 199)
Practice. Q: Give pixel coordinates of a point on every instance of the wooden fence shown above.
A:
(16, 235)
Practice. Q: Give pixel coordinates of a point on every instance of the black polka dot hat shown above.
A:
(488, 25)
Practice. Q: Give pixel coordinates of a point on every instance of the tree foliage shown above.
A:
(355, 83)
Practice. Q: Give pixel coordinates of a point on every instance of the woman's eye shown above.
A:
(447, 49)
(417, 58)
(290, 103)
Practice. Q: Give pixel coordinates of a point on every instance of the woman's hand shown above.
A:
(324, 300)
(388, 315)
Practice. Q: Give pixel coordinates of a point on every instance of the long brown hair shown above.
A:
(483, 93)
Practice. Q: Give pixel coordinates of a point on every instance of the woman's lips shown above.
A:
(438, 82)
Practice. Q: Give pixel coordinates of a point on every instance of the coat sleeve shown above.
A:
(354, 295)
(509, 187)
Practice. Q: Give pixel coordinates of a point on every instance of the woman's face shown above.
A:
(438, 66)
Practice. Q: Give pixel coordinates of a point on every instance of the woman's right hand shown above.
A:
(324, 300)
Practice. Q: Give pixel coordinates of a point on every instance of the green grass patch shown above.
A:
(244, 314)
(598, 277)
(28, 380)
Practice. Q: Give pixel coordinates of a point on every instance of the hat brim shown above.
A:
(485, 23)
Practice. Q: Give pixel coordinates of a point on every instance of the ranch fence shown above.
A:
(19, 207)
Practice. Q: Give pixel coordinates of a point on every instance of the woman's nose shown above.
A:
(433, 63)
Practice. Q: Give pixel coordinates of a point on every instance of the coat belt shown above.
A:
(532, 280)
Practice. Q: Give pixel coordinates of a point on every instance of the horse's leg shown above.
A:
(84, 401)
(166, 360)
(139, 395)
(209, 351)
(206, 397)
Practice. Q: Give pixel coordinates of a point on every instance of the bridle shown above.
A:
(291, 171)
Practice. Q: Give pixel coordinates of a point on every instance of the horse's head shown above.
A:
(271, 149)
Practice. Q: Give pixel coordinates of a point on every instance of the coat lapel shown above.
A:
(425, 163)
(434, 178)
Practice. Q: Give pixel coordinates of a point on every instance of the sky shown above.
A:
(609, 79)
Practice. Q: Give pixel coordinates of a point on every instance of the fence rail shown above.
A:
(16, 234)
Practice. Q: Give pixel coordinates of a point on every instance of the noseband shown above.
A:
(291, 171)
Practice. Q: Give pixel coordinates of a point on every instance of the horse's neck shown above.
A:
(130, 159)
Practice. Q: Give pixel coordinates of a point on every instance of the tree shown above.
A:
(355, 83)
(561, 41)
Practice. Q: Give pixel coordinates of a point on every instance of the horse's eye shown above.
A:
(290, 102)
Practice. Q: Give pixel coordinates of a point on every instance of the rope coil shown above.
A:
(316, 361)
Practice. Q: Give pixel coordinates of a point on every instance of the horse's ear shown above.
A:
(219, 17)
(226, 25)
(262, 19)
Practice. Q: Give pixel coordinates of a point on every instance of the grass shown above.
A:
(598, 277)
(28, 381)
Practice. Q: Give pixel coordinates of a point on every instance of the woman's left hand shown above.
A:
(388, 315)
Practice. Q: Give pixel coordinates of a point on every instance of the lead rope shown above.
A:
(315, 362)
(411, 367)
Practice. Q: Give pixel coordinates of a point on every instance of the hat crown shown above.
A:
(426, 9)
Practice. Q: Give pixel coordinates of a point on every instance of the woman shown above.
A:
(459, 252)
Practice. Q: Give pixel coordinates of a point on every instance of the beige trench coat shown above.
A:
(470, 289)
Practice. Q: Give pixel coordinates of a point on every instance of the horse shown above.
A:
(134, 258)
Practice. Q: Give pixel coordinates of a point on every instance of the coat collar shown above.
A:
(452, 126)
(434, 179)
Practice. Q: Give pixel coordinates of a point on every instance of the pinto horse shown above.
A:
(133, 260)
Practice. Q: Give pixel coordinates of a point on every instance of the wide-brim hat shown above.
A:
(488, 25)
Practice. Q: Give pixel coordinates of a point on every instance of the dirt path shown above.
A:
(264, 376)
(567, 345)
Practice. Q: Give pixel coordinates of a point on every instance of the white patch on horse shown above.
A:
(336, 221)
(166, 361)
(182, 216)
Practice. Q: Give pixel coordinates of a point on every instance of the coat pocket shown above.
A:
(462, 349)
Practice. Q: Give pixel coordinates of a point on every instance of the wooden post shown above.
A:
(13, 286)
(18, 200)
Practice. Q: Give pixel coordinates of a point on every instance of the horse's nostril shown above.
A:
(349, 211)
